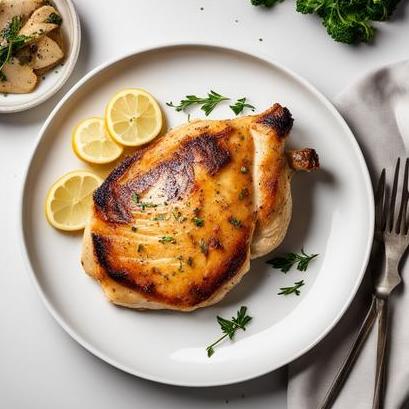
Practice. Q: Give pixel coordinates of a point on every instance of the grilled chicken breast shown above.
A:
(174, 226)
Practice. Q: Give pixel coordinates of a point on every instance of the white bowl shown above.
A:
(57, 77)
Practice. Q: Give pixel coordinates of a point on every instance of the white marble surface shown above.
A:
(40, 366)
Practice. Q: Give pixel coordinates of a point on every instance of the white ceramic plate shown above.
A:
(333, 216)
(57, 77)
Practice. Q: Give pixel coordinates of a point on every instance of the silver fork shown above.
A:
(395, 238)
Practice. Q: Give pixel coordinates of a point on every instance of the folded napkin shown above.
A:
(377, 110)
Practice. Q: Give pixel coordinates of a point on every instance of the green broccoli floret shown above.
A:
(266, 3)
(380, 10)
(309, 6)
(347, 21)
(349, 25)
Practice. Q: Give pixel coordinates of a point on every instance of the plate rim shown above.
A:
(229, 48)
(70, 62)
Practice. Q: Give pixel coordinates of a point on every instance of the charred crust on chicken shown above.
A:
(278, 118)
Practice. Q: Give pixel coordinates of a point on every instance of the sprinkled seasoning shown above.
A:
(204, 247)
(243, 193)
(235, 222)
(198, 221)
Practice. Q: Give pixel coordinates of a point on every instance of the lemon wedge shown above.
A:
(69, 200)
(93, 144)
(133, 117)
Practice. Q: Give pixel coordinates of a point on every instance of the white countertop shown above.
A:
(41, 366)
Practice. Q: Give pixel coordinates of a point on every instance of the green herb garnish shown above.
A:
(295, 289)
(14, 41)
(54, 18)
(135, 197)
(230, 327)
(207, 104)
(243, 193)
(160, 217)
(143, 205)
(284, 263)
(235, 222)
(204, 247)
(239, 106)
(198, 221)
(167, 239)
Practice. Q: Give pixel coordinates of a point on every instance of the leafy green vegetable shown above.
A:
(295, 289)
(347, 21)
(240, 105)
(267, 3)
(230, 327)
(207, 104)
(284, 263)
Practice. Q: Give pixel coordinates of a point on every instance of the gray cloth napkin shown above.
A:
(377, 110)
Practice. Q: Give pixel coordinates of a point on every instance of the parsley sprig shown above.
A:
(230, 327)
(284, 263)
(14, 41)
(239, 106)
(295, 289)
(207, 104)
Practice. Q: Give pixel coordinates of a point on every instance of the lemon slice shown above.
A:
(69, 200)
(92, 143)
(133, 117)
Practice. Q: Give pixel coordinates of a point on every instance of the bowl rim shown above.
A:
(69, 63)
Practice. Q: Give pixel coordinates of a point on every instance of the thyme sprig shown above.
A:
(207, 103)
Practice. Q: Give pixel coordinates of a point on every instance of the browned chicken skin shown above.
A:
(175, 225)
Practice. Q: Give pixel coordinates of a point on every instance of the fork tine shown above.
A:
(393, 196)
(379, 202)
(401, 223)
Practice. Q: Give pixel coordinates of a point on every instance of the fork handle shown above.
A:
(352, 356)
(380, 354)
